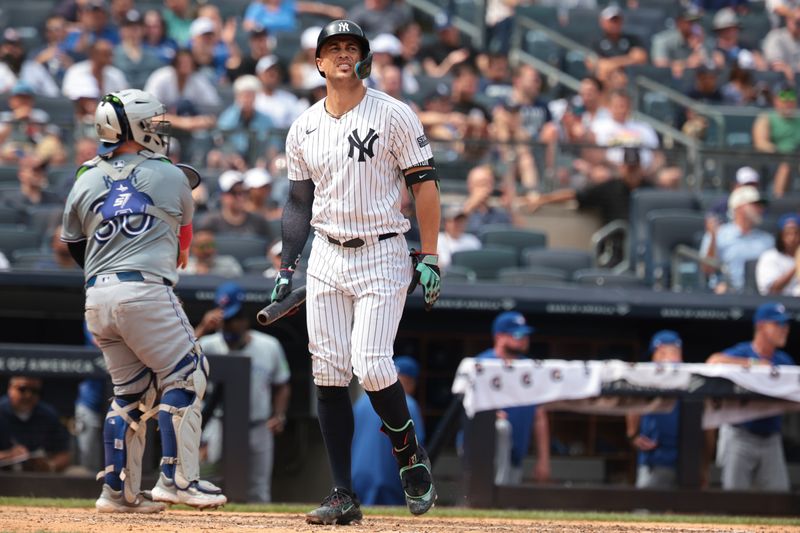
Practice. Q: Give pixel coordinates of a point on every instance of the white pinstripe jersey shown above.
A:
(357, 163)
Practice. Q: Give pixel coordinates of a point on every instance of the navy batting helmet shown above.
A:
(343, 27)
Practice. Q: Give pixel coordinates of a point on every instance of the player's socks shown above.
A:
(390, 404)
(336, 422)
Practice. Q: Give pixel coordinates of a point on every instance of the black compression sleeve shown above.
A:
(296, 221)
(78, 252)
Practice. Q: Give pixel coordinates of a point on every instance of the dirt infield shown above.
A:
(57, 519)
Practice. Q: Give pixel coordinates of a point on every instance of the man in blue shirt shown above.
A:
(515, 425)
(751, 453)
(655, 436)
(374, 467)
(34, 425)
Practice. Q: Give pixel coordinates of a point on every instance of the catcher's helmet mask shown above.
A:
(347, 28)
(134, 115)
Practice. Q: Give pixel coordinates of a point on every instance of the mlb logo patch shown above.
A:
(422, 141)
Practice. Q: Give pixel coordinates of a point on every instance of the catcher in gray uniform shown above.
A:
(127, 222)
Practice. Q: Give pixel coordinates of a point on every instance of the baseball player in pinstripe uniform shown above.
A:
(127, 222)
(349, 157)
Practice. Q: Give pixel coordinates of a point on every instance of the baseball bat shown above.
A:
(277, 310)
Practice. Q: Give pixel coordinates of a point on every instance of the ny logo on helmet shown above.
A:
(344, 26)
(364, 146)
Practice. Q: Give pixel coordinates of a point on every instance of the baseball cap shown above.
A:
(257, 177)
(229, 297)
(266, 63)
(386, 43)
(788, 218)
(512, 323)
(258, 31)
(201, 26)
(784, 91)
(407, 366)
(744, 195)
(442, 20)
(22, 88)
(771, 312)
(665, 337)
(690, 13)
(611, 12)
(453, 211)
(247, 82)
(10, 35)
(229, 179)
(747, 176)
(132, 17)
(308, 39)
(725, 18)
(95, 4)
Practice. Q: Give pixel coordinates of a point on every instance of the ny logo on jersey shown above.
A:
(364, 147)
(344, 26)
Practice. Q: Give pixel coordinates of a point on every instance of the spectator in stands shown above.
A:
(655, 436)
(728, 49)
(204, 258)
(500, 25)
(93, 26)
(391, 82)
(244, 127)
(226, 330)
(15, 67)
(85, 101)
(277, 103)
(777, 131)
(779, 9)
(97, 71)
(751, 453)
(156, 38)
(454, 238)
(525, 93)
(52, 55)
(32, 175)
(736, 242)
(782, 46)
(26, 130)
(210, 46)
(611, 197)
(512, 146)
(710, 6)
(448, 51)
(745, 176)
(85, 149)
(233, 216)
(479, 209)
(589, 105)
(410, 45)
(259, 201)
(34, 425)
(496, 78)
(281, 15)
(516, 425)
(740, 88)
(386, 49)
(240, 63)
(705, 90)
(683, 46)
(303, 73)
(130, 55)
(190, 97)
(380, 16)
(60, 259)
(178, 16)
(374, 468)
(776, 270)
(615, 49)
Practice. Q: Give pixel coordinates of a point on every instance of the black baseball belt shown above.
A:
(358, 242)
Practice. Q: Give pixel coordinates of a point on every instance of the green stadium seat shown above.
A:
(459, 273)
(533, 276)
(241, 246)
(16, 237)
(565, 260)
(486, 262)
(517, 239)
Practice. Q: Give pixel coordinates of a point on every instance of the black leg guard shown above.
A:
(336, 422)
(390, 404)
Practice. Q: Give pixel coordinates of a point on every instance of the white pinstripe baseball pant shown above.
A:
(355, 299)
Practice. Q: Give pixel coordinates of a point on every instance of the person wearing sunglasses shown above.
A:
(32, 433)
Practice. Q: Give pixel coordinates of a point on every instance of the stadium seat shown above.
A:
(256, 265)
(533, 276)
(565, 260)
(8, 174)
(11, 215)
(16, 237)
(43, 219)
(518, 239)
(666, 229)
(539, 45)
(28, 258)
(459, 273)
(583, 25)
(486, 262)
(241, 246)
(607, 278)
(739, 130)
(547, 15)
(789, 203)
(60, 108)
(643, 201)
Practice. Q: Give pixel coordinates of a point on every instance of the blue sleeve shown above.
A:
(742, 349)
(253, 12)
(229, 119)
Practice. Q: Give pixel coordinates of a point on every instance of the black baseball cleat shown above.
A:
(340, 507)
(417, 482)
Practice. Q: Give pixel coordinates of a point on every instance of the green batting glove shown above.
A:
(426, 273)
(283, 285)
